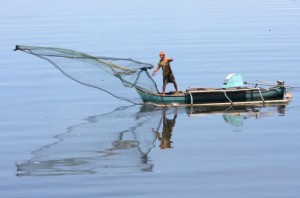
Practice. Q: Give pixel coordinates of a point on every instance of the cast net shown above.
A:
(107, 74)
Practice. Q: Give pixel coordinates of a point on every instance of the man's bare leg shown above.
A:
(164, 89)
(175, 85)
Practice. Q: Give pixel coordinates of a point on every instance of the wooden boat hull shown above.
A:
(211, 96)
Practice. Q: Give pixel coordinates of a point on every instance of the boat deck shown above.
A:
(204, 90)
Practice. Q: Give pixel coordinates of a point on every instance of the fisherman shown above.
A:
(168, 76)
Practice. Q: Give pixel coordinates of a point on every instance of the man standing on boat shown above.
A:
(168, 76)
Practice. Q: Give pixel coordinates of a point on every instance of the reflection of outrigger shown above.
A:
(232, 93)
(234, 115)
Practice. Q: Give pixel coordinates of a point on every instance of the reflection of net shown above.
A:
(99, 146)
(97, 72)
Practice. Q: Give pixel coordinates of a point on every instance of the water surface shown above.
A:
(62, 139)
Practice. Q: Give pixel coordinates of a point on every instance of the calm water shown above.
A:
(61, 139)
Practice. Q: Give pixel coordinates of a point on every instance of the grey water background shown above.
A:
(62, 139)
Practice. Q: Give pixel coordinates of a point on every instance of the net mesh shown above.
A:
(108, 74)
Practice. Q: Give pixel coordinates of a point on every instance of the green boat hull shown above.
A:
(208, 95)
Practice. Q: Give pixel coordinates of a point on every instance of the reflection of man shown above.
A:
(168, 124)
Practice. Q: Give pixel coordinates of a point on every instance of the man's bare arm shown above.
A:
(156, 69)
(169, 59)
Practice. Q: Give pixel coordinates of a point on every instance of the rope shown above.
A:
(227, 97)
(261, 95)
(192, 100)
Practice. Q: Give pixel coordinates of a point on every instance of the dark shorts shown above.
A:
(169, 79)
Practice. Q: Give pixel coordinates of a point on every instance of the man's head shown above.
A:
(162, 55)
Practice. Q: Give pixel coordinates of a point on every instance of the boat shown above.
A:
(233, 92)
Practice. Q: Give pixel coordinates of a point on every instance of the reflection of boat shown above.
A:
(98, 146)
(233, 92)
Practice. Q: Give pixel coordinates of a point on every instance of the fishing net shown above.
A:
(108, 74)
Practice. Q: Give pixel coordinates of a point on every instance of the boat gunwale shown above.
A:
(207, 90)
